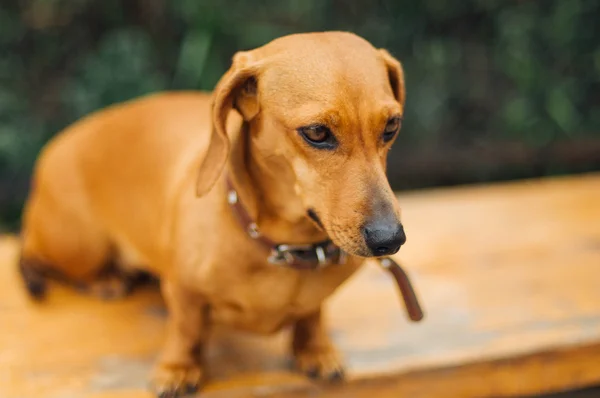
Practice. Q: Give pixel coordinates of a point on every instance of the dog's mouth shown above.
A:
(312, 214)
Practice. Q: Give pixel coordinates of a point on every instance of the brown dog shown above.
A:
(144, 185)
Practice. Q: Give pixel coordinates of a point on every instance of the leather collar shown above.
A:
(309, 256)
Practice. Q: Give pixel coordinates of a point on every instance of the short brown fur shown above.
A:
(141, 184)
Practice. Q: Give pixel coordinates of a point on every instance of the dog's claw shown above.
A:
(324, 365)
(177, 391)
(336, 376)
(176, 382)
(313, 373)
(191, 388)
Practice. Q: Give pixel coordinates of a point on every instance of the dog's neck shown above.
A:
(266, 188)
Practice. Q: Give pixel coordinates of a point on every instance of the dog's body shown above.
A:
(121, 187)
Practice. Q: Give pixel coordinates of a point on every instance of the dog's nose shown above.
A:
(384, 237)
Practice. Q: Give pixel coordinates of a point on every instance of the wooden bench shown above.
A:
(508, 274)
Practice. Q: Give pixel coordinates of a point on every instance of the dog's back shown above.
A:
(120, 163)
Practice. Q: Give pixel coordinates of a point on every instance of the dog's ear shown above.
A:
(395, 74)
(246, 99)
(236, 88)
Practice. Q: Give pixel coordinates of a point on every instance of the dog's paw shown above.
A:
(323, 364)
(173, 381)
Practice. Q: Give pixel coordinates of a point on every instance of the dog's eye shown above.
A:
(391, 128)
(318, 136)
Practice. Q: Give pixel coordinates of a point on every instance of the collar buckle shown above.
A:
(280, 258)
(282, 254)
(288, 255)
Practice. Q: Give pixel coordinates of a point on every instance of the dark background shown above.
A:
(497, 89)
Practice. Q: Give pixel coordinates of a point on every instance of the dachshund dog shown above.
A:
(251, 205)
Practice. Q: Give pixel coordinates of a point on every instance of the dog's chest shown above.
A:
(269, 298)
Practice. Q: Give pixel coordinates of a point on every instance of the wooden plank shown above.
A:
(508, 275)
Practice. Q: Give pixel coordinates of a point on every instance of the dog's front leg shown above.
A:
(313, 349)
(179, 370)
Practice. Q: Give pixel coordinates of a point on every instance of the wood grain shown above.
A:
(508, 276)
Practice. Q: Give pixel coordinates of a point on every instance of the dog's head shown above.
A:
(330, 105)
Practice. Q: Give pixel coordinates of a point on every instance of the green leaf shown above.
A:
(194, 52)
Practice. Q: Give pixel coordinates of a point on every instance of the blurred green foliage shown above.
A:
(481, 74)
